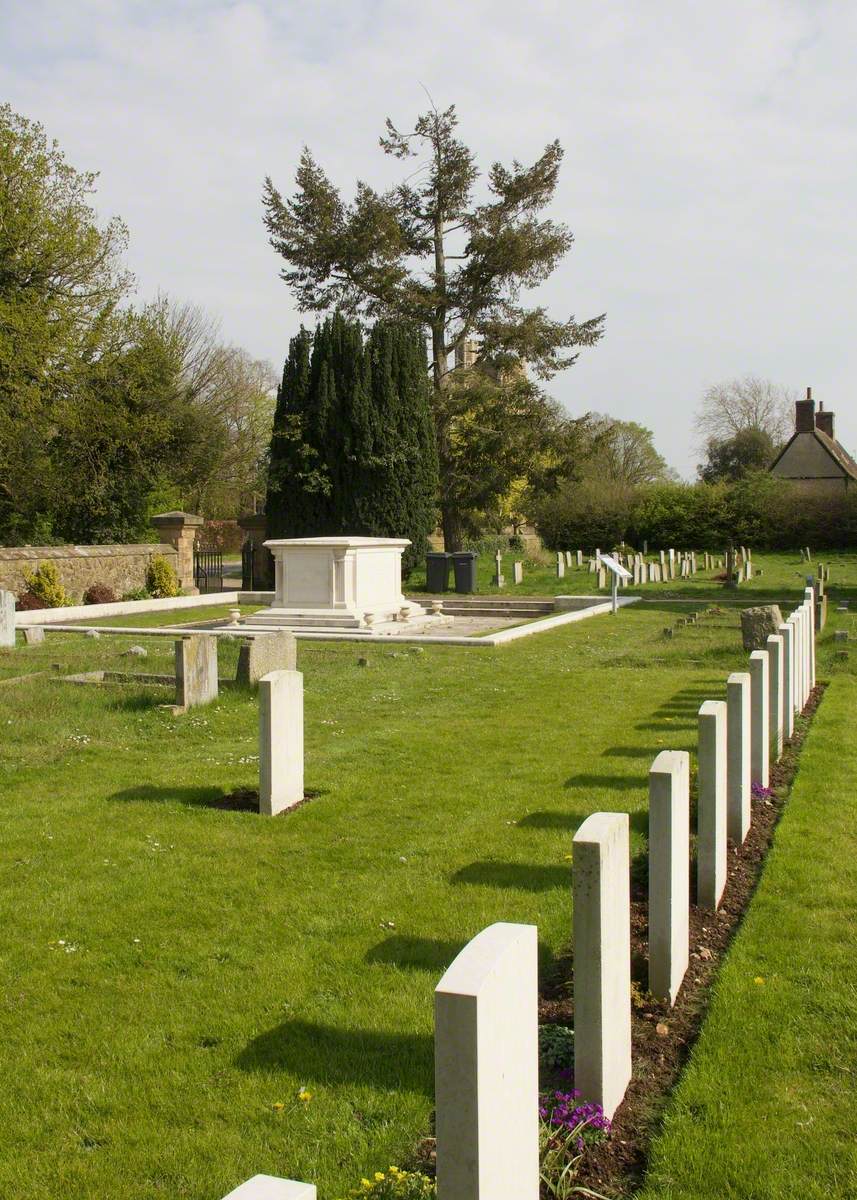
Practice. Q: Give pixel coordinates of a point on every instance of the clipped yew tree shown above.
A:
(437, 252)
(352, 448)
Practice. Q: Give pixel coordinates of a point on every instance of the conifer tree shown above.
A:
(353, 445)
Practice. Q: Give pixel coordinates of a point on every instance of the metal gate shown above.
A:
(248, 554)
(208, 570)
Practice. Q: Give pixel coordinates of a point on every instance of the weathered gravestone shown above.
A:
(196, 670)
(758, 624)
(7, 619)
(270, 652)
(34, 635)
(518, 572)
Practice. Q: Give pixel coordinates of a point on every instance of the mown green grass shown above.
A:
(215, 962)
(766, 1106)
(783, 577)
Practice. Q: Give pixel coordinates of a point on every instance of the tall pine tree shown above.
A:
(353, 445)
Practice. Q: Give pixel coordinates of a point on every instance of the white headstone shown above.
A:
(487, 1068)
(281, 741)
(560, 567)
(669, 873)
(711, 808)
(738, 739)
(775, 695)
(518, 572)
(580, 558)
(7, 619)
(269, 1187)
(602, 960)
(759, 727)
(787, 633)
(810, 602)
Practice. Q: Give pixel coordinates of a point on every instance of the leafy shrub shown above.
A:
(28, 601)
(556, 1046)
(99, 593)
(396, 1184)
(161, 578)
(46, 585)
(137, 594)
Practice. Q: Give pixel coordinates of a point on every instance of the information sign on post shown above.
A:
(617, 572)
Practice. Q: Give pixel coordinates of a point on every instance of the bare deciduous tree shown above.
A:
(737, 405)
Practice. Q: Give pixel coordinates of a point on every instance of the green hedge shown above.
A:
(758, 511)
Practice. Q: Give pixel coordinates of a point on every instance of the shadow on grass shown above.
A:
(431, 954)
(323, 1054)
(571, 821)
(238, 800)
(525, 877)
(594, 779)
(142, 701)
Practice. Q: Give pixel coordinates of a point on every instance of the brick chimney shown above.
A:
(805, 414)
(824, 421)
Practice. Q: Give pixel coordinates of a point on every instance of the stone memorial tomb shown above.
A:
(343, 584)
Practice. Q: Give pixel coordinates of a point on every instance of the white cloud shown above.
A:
(709, 175)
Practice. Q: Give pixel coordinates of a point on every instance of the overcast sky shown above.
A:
(710, 176)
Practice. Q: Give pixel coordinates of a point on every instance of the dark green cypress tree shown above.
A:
(353, 448)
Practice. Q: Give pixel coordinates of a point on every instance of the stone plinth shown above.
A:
(487, 1068)
(196, 670)
(602, 960)
(669, 873)
(179, 529)
(339, 583)
(7, 619)
(711, 808)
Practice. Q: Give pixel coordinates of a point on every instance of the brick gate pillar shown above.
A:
(179, 529)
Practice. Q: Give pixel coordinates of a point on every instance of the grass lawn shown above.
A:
(766, 1106)
(783, 576)
(172, 971)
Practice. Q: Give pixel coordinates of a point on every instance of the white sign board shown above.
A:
(615, 567)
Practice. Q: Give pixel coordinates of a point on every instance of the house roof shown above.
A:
(837, 452)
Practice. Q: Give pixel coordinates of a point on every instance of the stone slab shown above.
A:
(757, 624)
(196, 670)
(272, 652)
(7, 619)
(34, 635)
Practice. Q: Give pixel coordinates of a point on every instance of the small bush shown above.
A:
(140, 593)
(556, 1046)
(46, 585)
(161, 578)
(99, 593)
(28, 601)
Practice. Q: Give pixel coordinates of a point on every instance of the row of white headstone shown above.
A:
(486, 1004)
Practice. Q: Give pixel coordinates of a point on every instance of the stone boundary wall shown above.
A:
(122, 568)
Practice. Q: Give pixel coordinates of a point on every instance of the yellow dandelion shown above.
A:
(379, 1175)
(758, 979)
(304, 1096)
(278, 1107)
